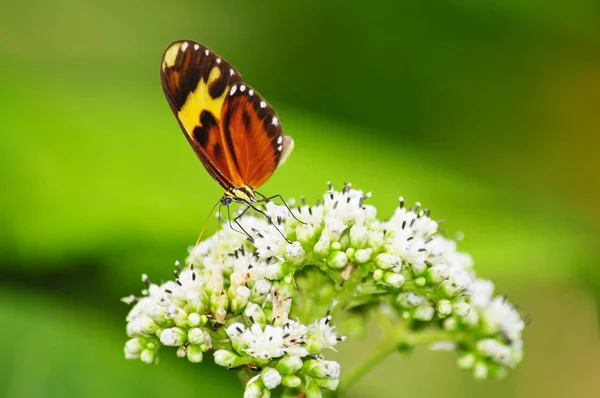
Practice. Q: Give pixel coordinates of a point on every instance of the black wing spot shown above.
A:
(207, 121)
(217, 87)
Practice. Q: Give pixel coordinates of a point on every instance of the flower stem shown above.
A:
(387, 347)
(368, 363)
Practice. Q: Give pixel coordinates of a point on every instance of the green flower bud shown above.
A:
(362, 255)
(424, 313)
(444, 308)
(466, 361)
(289, 365)
(194, 319)
(329, 384)
(173, 336)
(240, 299)
(256, 390)
(148, 356)
(337, 259)
(393, 279)
(195, 353)
(358, 235)
(313, 390)
(196, 302)
(438, 273)
(322, 369)
(260, 290)
(461, 308)
(197, 336)
(181, 351)
(322, 247)
(409, 299)
(449, 289)
(291, 381)
(306, 234)
(378, 275)
(387, 261)
(228, 359)
(480, 370)
(134, 347)
(255, 314)
(218, 300)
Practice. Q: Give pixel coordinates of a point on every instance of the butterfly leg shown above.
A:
(236, 220)
(270, 221)
(266, 199)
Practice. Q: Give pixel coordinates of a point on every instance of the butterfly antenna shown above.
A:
(219, 237)
(206, 223)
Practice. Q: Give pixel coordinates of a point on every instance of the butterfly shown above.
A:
(235, 133)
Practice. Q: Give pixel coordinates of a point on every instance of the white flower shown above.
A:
(320, 335)
(501, 316)
(294, 338)
(267, 343)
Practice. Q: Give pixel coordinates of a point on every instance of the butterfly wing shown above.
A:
(234, 132)
(196, 83)
(257, 140)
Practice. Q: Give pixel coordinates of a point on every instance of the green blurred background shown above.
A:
(485, 111)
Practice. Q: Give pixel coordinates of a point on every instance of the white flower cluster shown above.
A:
(245, 298)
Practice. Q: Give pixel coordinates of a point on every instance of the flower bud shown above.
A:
(305, 234)
(218, 300)
(409, 299)
(466, 361)
(322, 369)
(438, 273)
(255, 314)
(393, 279)
(261, 288)
(240, 299)
(450, 323)
(173, 337)
(289, 365)
(227, 359)
(461, 308)
(330, 384)
(387, 261)
(148, 356)
(256, 390)
(291, 381)
(194, 353)
(358, 235)
(480, 370)
(196, 302)
(313, 390)
(322, 247)
(362, 255)
(294, 254)
(449, 289)
(270, 378)
(133, 348)
(444, 308)
(378, 275)
(194, 319)
(337, 259)
(197, 336)
(424, 313)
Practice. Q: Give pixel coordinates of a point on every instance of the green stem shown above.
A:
(368, 363)
(387, 347)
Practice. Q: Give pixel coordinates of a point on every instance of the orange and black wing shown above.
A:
(234, 132)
